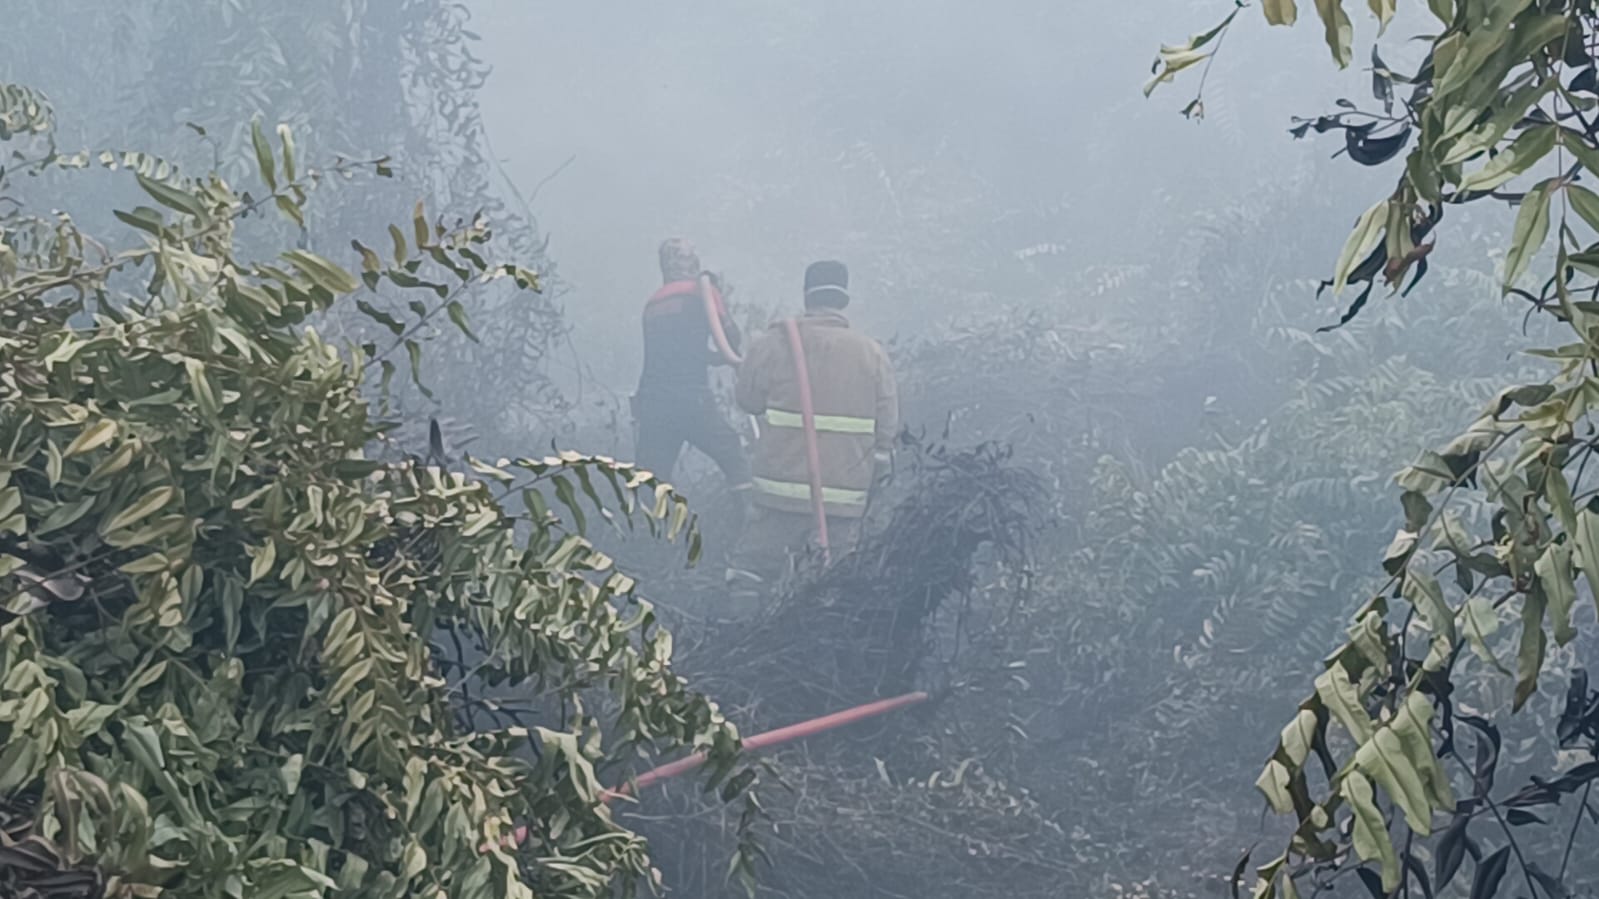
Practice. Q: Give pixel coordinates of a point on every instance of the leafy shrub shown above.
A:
(225, 644)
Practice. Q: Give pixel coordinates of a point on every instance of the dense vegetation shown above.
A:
(1206, 485)
(1504, 96)
(232, 642)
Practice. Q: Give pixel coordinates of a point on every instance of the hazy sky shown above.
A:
(774, 133)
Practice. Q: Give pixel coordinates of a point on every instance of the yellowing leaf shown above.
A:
(1368, 232)
(1174, 59)
(145, 506)
(1340, 33)
(93, 437)
(1280, 12)
(262, 560)
(1382, 758)
(287, 138)
(1384, 11)
(1371, 831)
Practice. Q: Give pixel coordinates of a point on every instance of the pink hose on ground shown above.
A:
(753, 744)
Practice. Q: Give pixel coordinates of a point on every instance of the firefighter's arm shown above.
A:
(887, 418)
(750, 388)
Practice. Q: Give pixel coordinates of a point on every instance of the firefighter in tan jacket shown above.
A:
(856, 416)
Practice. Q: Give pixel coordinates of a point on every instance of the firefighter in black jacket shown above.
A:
(674, 404)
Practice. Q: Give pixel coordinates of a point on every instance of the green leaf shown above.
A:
(172, 198)
(419, 226)
(348, 679)
(568, 498)
(1530, 655)
(1384, 11)
(1523, 153)
(1342, 699)
(1558, 581)
(383, 318)
(1340, 33)
(1417, 510)
(1399, 551)
(1479, 137)
(1579, 147)
(1371, 831)
(414, 351)
(290, 209)
(457, 314)
(400, 254)
(1443, 9)
(1421, 590)
(324, 272)
(63, 515)
(537, 509)
(200, 384)
(145, 506)
(53, 463)
(143, 218)
(287, 138)
(1280, 12)
(1587, 546)
(1532, 227)
(1367, 234)
(263, 156)
(370, 263)
(1585, 202)
(1382, 758)
(290, 773)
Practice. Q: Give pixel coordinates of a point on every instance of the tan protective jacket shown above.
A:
(856, 407)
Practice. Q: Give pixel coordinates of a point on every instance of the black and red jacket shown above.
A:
(677, 350)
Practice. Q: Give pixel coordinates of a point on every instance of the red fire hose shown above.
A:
(752, 744)
(713, 314)
(813, 457)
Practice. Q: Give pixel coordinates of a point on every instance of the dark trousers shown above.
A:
(666, 421)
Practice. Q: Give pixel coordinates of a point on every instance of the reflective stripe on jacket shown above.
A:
(856, 414)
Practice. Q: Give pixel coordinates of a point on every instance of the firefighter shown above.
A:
(674, 404)
(855, 413)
